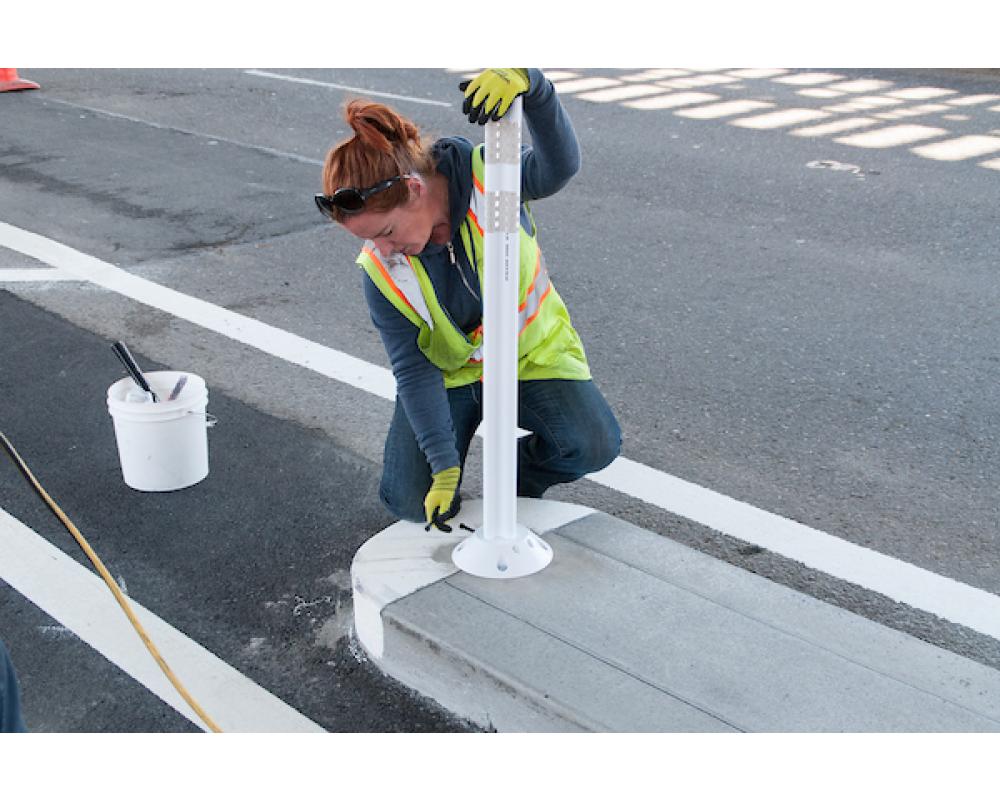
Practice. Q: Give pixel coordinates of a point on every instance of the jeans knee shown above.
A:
(605, 449)
(411, 509)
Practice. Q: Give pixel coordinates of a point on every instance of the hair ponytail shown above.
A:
(384, 144)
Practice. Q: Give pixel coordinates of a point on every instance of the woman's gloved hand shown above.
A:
(441, 495)
(489, 95)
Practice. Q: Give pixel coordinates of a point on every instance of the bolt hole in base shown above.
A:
(505, 557)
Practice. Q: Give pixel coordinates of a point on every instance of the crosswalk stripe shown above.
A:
(809, 78)
(779, 119)
(973, 99)
(583, 84)
(921, 93)
(892, 136)
(727, 109)
(620, 93)
(960, 148)
(837, 126)
(672, 100)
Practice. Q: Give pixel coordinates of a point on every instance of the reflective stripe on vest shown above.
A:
(400, 276)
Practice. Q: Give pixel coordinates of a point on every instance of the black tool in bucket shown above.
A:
(133, 368)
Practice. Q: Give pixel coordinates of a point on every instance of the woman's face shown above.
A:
(405, 229)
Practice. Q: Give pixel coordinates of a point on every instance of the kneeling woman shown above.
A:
(418, 207)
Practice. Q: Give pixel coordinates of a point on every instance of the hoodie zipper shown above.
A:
(454, 262)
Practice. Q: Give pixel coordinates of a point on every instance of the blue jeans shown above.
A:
(573, 433)
(11, 720)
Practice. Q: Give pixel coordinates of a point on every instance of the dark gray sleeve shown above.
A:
(419, 384)
(554, 155)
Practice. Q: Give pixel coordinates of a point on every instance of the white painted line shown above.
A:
(696, 81)
(79, 600)
(560, 74)
(906, 583)
(821, 93)
(863, 104)
(15, 275)
(861, 86)
(584, 84)
(913, 111)
(758, 73)
(341, 87)
(973, 99)
(993, 163)
(780, 119)
(919, 588)
(960, 148)
(893, 136)
(837, 126)
(287, 346)
(809, 78)
(655, 74)
(620, 93)
(921, 93)
(728, 109)
(956, 117)
(671, 100)
(211, 137)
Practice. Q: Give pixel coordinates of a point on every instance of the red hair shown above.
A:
(385, 144)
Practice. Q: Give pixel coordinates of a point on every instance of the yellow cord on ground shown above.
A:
(119, 596)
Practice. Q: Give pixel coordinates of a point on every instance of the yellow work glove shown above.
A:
(441, 495)
(489, 95)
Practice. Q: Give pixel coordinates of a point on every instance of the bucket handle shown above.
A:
(210, 419)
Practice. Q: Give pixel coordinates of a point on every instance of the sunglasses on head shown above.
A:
(350, 200)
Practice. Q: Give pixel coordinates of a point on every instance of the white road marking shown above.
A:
(809, 78)
(16, 275)
(892, 136)
(820, 92)
(780, 119)
(913, 111)
(727, 109)
(993, 163)
(973, 99)
(861, 86)
(758, 72)
(672, 100)
(654, 74)
(863, 104)
(921, 93)
(584, 84)
(287, 346)
(837, 126)
(696, 81)
(341, 87)
(960, 148)
(200, 134)
(616, 93)
(919, 588)
(79, 600)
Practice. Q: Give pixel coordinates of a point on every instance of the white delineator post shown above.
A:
(501, 548)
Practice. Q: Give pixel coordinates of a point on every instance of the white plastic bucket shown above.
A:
(162, 446)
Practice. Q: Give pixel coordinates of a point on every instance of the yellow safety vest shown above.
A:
(548, 345)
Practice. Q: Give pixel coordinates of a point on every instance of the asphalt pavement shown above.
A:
(797, 322)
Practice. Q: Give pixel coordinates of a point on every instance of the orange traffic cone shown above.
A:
(9, 82)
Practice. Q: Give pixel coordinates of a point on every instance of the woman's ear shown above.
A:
(416, 186)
